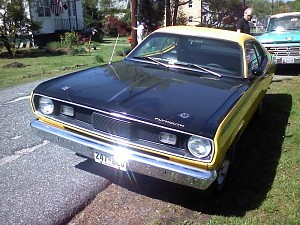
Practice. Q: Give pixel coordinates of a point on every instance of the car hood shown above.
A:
(173, 97)
(277, 37)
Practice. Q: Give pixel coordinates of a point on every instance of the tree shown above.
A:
(93, 17)
(176, 5)
(261, 8)
(109, 16)
(173, 14)
(151, 12)
(264, 8)
(16, 24)
(294, 6)
(225, 12)
(278, 7)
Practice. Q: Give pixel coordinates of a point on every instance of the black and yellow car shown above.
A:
(173, 109)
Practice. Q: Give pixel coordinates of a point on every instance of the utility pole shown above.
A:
(133, 10)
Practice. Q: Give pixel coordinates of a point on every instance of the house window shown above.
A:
(43, 8)
(190, 19)
(190, 4)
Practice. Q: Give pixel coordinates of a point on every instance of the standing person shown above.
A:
(140, 31)
(243, 23)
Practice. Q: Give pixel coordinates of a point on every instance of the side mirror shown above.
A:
(255, 73)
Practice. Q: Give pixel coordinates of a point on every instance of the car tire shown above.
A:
(224, 170)
(222, 174)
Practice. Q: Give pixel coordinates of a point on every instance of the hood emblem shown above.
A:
(184, 115)
(64, 88)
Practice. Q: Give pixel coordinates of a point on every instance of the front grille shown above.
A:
(125, 128)
(113, 126)
(285, 51)
(83, 115)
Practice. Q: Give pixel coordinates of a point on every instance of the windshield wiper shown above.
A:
(151, 59)
(198, 67)
(178, 63)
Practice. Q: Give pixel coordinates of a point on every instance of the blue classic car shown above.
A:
(173, 109)
(282, 38)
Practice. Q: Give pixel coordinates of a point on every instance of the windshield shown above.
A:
(284, 23)
(219, 56)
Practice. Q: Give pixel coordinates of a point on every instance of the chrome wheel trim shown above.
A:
(222, 172)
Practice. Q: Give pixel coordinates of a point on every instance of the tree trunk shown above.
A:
(168, 13)
(7, 45)
(176, 4)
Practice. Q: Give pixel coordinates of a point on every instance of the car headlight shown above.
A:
(199, 147)
(46, 105)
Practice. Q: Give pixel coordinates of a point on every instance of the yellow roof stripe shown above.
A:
(208, 32)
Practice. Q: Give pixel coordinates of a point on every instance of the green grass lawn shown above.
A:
(264, 187)
(39, 64)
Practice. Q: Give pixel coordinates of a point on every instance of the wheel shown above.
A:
(222, 174)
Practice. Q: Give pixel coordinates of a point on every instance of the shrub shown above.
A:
(70, 39)
(55, 46)
(98, 58)
(69, 44)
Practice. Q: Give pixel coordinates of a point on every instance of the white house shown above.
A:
(57, 15)
(193, 12)
(198, 12)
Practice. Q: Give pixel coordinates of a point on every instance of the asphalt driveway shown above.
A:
(41, 183)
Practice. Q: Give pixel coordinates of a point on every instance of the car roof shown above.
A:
(208, 32)
(285, 14)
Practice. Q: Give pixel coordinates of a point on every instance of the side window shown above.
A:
(259, 53)
(254, 55)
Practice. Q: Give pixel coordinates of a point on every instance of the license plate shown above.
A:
(110, 161)
(288, 60)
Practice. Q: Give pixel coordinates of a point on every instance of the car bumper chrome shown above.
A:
(287, 59)
(136, 162)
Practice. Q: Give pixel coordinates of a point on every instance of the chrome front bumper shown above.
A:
(137, 162)
(287, 59)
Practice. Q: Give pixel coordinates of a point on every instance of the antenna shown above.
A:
(113, 50)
